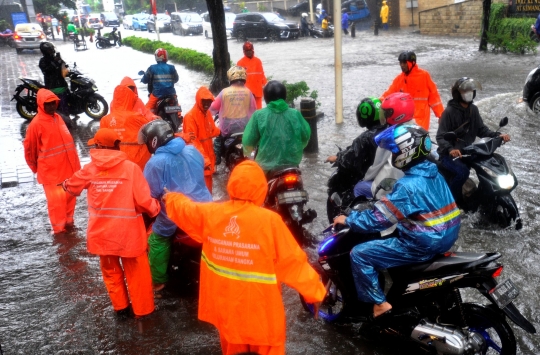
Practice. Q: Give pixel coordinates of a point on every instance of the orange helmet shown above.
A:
(161, 55)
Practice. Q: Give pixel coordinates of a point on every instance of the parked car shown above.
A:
(28, 36)
(109, 19)
(163, 23)
(265, 25)
(357, 10)
(127, 22)
(94, 22)
(185, 23)
(138, 22)
(297, 9)
(207, 26)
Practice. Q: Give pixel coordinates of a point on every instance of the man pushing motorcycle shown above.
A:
(160, 78)
(427, 217)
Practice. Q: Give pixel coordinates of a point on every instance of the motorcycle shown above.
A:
(317, 32)
(103, 42)
(81, 98)
(496, 181)
(6, 39)
(531, 90)
(233, 151)
(185, 260)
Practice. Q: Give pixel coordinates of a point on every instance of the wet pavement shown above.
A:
(53, 300)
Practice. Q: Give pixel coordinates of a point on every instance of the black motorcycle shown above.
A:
(531, 90)
(426, 299)
(233, 151)
(317, 31)
(496, 181)
(82, 97)
(103, 42)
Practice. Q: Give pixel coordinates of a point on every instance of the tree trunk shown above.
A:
(220, 54)
(485, 25)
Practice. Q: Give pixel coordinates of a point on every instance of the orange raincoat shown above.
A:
(139, 106)
(256, 79)
(247, 253)
(424, 91)
(126, 122)
(200, 126)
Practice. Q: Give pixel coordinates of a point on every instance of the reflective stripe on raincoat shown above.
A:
(162, 76)
(49, 149)
(424, 91)
(255, 74)
(247, 253)
(118, 194)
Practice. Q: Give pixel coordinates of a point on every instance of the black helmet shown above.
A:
(155, 134)
(47, 48)
(368, 112)
(273, 91)
(407, 56)
(410, 145)
(463, 85)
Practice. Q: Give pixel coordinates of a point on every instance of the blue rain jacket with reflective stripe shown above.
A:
(179, 168)
(162, 76)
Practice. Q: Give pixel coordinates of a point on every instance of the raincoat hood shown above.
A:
(105, 159)
(123, 98)
(278, 106)
(174, 146)
(426, 169)
(127, 81)
(248, 183)
(44, 96)
(203, 94)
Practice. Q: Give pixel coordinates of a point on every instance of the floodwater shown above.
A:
(52, 297)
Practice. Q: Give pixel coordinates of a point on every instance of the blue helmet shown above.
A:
(409, 144)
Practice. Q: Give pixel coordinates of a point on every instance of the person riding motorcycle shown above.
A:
(54, 69)
(305, 24)
(279, 132)
(427, 217)
(398, 108)
(358, 157)
(160, 78)
(462, 117)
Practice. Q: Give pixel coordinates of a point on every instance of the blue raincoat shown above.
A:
(428, 222)
(162, 76)
(179, 168)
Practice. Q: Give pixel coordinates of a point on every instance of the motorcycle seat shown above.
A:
(459, 261)
(282, 170)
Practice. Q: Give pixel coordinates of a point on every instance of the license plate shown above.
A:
(292, 197)
(171, 109)
(504, 293)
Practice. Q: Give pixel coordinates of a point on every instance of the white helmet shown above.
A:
(304, 14)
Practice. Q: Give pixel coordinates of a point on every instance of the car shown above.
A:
(28, 36)
(357, 10)
(264, 25)
(127, 22)
(163, 21)
(185, 23)
(298, 9)
(94, 22)
(138, 22)
(109, 19)
(207, 26)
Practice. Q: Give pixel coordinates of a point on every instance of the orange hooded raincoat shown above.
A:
(418, 83)
(256, 79)
(126, 121)
(247, 253)
(139, 106)
(200, 127)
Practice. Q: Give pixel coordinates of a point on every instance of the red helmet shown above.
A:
(248, 46)
(398, 108)
(161, 55)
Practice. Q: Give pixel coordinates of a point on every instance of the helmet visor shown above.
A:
(388, 112)
(385, 140)
(141, 136)
(469, 85)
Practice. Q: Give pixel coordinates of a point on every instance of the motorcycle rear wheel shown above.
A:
(98, 109)
(24, 112)
(99, 44)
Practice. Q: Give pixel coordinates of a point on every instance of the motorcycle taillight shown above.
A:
(291, 180)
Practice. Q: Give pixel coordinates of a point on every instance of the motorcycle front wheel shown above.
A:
(331, 309)
(99, 44)
(25, 112)
(96, 109)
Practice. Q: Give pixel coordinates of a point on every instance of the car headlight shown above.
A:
(506, 181)
(160, 24)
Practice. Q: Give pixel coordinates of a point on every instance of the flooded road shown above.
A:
(52, 297)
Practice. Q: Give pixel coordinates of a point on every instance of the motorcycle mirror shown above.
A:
(140, 72)
(503, 122)
(387, 184)
(450, 136)
(336, 199)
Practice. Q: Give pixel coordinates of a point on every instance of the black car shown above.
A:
(297, 9)
(265, 25)
(163, 21)
(185, 23)
(109, 19)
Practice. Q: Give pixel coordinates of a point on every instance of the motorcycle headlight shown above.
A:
(506, 181)
(94, 87)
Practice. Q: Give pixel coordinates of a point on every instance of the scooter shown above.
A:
(317, 32)
(103, 42)
(531, 90)
(6, 38)
(496, 181)
(233, 151)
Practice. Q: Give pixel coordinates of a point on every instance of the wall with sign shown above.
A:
(524, 7)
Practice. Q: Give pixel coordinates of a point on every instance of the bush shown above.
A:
(190, 58)
(509, 34)
(299, 89)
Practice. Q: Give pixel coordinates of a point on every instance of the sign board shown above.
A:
(18, 17)
(524, 7)
(409, 4)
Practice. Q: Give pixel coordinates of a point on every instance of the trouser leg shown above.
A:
(63, 106)
(152, 102)
(233, 349)
(113, 276)
(139, 281)
(57, 206)
(218, 142)
(460, 173)
(158, 255)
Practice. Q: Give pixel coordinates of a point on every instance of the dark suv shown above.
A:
(109, 19)
(263, 25)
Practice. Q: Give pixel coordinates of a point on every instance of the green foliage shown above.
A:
(261, 8)
(191, 59)
(299, 89)
(4, 25)
(509, 34)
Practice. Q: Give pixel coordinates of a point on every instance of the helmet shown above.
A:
(236, 73)
(368, 112)
(273, 91)
(161, 55)
(398, 108)
(47, 48)
(155, 134)
(248, 46)
(304, 14)
(344, 9)
(407, 56)
(463, 85)
(409, 144)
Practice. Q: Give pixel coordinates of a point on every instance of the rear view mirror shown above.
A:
(450, 136)
(336, 199)
(140, 72)
(387, 184)
(503, 122)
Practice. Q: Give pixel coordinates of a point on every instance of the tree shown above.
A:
(220, 54)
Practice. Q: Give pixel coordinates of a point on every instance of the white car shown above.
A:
(207, 27)
(127, 22)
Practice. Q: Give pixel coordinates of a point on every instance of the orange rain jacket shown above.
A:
(118, 194)
(202, 126)
(424, 91)
(127, 122)
(139, 106)
(255, 75)
(247, 253)
(49, 149)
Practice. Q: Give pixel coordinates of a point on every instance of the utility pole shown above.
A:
(337, 61)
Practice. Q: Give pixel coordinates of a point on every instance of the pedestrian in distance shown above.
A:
(305, 25)
(384, 15)
(54, 71)
(247, 253)
(160, 78)
(50, 152)
(344, 21)
(324, 26)
(178, 168)
(118, 196)
(418, 83)
(256, 79)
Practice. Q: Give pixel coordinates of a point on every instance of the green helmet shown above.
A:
(368, 112)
